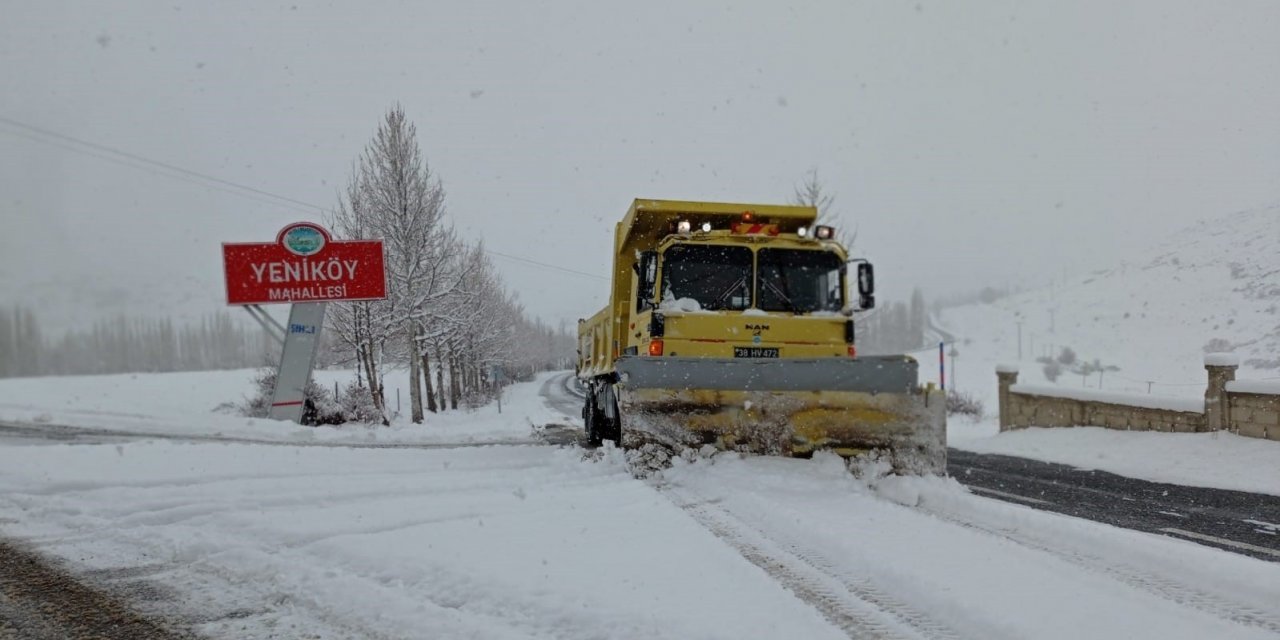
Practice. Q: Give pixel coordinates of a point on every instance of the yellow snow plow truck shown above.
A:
(732, 325)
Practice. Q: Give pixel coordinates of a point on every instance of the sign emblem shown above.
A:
(303, 239)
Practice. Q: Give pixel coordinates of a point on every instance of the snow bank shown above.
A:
(1219, 460)
(1192, 405)
(1254, 386)
(1221, 360)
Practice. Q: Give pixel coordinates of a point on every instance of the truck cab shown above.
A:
(717, 293)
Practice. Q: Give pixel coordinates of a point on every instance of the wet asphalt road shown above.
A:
(1245, 523)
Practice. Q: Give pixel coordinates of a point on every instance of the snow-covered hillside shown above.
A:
(1214, 286)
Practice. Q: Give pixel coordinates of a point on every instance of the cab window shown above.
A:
(716, 277)
(799, 281)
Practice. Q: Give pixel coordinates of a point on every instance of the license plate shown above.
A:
(755, 352)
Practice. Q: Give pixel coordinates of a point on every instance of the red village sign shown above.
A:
(304, 264)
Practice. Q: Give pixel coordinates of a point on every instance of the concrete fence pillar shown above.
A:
(1222, 369)
(1006, 376)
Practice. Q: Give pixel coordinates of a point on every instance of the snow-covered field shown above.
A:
(194, 403)
(307, 539)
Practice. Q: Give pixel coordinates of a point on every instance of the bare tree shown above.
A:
(812, 193)
(364, 327)
(406, 209)
(447, 311)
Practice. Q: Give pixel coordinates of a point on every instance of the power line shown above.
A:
(157, 163)
(142, 163)
(546, 265)
(153, 171)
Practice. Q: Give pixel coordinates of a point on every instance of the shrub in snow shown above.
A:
(356, 404)
(963, 403)
(1051, 368)
(320, 407)
(1067, 357)
(479, 396)
(264, 383)
(1084, 369)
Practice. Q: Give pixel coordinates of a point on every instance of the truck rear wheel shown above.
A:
(591, 421)
(610, 425)
(601, 419)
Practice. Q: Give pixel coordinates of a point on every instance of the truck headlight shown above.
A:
(683, 226)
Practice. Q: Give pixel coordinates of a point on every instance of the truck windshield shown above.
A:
(716, 277)
(799, 281)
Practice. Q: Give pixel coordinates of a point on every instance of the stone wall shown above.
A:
(1256, 415)
(1248, 408)
(1034, 408)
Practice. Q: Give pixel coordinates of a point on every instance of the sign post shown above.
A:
(298, 356)
(499, 377)
(307, 268)
(942, 368)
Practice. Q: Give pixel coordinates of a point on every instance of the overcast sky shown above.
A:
(970, 143)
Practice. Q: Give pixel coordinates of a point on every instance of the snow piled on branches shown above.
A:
(447, 317)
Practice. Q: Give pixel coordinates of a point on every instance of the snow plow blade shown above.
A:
(788, 406)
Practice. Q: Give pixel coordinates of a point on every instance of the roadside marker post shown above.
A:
(942, 367)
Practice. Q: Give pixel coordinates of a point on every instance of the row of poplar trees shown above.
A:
(122, 344)
(447, 315)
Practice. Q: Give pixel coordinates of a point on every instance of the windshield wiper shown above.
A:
(740, 282)
(791, 306)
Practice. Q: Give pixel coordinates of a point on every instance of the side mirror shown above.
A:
(866, 286)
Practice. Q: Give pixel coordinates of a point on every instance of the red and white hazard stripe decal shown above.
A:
(755, 228)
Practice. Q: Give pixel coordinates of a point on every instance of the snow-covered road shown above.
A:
(911, 557)
(479, 542)
(243, 540)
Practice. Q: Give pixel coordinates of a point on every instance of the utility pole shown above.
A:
(1019, 341)
(954, 353)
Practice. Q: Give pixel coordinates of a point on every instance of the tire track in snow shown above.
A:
(1160, 586)
(852, 604)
